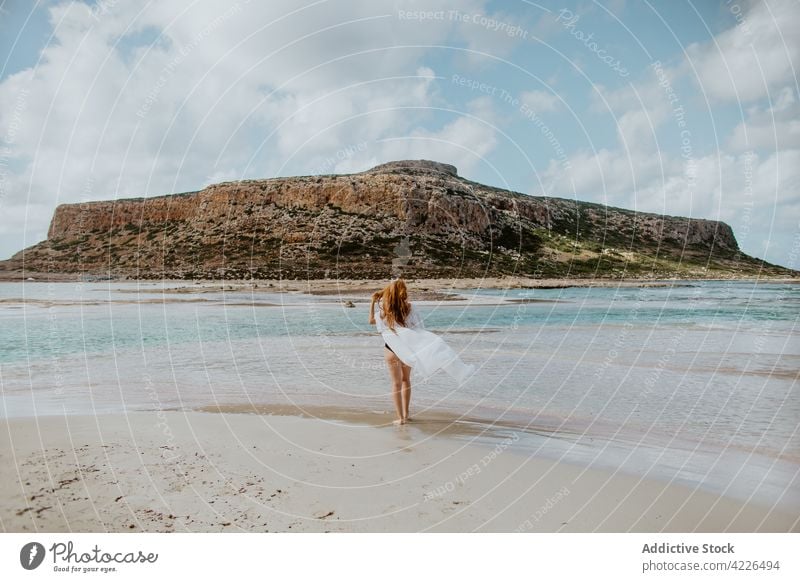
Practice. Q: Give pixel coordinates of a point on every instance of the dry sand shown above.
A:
(212, 471)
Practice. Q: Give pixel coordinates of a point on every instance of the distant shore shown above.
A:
(219, 472)
(359, 290)
(329, 286)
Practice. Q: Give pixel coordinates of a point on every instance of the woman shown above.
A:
(408, 345)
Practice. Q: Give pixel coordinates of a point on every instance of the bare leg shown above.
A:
(396, 375)
(406, 390)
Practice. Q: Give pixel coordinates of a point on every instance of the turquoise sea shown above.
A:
(695, 382)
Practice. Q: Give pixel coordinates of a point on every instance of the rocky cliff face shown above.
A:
(418, 218)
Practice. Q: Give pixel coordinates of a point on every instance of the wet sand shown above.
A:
(273, 470)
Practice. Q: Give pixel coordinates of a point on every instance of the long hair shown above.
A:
(394, 300)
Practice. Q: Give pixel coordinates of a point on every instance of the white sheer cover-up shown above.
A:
(424, 351)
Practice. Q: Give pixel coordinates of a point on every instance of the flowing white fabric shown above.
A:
(423, 350)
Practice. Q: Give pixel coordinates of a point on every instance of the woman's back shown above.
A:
(412, 320)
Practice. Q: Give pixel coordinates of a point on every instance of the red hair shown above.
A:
(395, 304)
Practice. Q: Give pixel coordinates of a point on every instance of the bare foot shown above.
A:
(399, 421)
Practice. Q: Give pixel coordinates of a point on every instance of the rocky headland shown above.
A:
(415, 218)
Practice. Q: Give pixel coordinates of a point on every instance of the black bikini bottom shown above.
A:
(387, 347)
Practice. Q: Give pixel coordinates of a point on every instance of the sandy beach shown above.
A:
(233, 472)
(658, 406)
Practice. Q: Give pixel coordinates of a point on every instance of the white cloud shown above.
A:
(163, 97)
(759, 196)
(148, 99)
(610, 176)
(491, 36)
(771, 128)
(753, 183)
(640, 108)
(752, 59)
(464, 142)
(540, 101)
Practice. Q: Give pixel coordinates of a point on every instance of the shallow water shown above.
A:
(696, 383)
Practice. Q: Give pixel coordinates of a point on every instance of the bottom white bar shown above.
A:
(401, 556)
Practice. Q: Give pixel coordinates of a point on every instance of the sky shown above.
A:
(686, 108)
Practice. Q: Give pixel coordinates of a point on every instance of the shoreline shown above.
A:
(328, 285)
(165, 471)
(350, 291)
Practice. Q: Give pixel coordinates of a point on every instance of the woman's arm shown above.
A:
(375, 317)
(375, 297)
